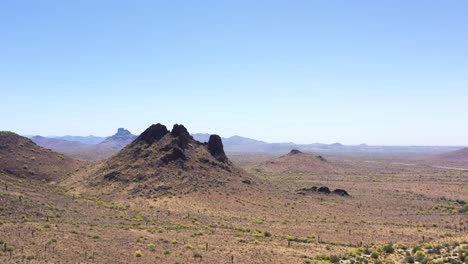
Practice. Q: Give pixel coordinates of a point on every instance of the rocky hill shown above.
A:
(298, 161)
(21, 157)
(162, 162)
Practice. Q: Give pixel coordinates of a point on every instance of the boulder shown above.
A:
(341, 192)
(324, 189)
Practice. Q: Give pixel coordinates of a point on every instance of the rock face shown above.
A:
(153, 134)
(182, 135)
(215, 146)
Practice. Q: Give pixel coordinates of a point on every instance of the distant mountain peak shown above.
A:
(122, 135)
(122, 132)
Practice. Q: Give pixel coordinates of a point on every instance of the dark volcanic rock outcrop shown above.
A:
(153, 133)
(295, 152)
(182, 136)
(341, 192)
(323, 190)
(159, 157)
(215, 146)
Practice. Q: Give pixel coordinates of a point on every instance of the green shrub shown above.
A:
(152, 247)
(189, 246)
(139, 254)
(388, 248)
(334, 259)
(409, 259)
(415, 249)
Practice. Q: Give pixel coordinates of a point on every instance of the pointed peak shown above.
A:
(179, 130)
(215, 146)
(182, 135)
(153, 133)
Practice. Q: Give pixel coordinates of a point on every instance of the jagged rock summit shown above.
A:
(160, 161)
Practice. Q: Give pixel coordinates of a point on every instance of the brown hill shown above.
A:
(57, 144)
(457, 159)
(297, 161)
(109, 147)
(160, 162)
(458, 155)
(21, 157)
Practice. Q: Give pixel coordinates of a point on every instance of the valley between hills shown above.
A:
(165, 197)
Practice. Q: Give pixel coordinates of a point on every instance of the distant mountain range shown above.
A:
(243, 144)
(85, 140)
(105, 148)
(91, 147)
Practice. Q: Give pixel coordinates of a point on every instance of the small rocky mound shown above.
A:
(341, 192)
(323, 190)
(297, 161)
(294, 152)
(159, 162)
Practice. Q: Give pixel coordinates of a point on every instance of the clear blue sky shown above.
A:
(379, 72)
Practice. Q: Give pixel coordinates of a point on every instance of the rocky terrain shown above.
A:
(168, 198)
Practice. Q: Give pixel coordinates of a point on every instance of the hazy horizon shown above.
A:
(380, 73)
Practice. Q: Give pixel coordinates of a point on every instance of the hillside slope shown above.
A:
(21, 157)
